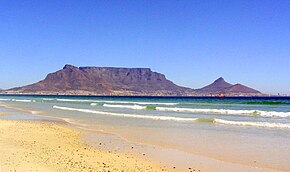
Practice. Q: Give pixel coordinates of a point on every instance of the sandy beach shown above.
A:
(34, 140)
(2, 113)
(53, 146)
(46, 146)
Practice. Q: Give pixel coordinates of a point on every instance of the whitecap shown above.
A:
(126, 115)
(228, 111)
(137, 107)
(180, 119)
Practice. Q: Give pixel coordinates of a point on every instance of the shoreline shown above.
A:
(153, 153)
(51, 146)
(59, 146)
(182, 160)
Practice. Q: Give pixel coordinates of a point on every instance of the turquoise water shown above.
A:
(214, 127)
(237, 112)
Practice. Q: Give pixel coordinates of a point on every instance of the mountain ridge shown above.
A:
(114, 81)
(104, 81)
(221, 87)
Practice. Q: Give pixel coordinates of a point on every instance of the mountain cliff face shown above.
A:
(104, 81)
(220, 86)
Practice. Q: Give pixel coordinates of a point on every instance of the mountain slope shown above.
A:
(104, 81)
(220, 86)
(216, 86)
(239, 88)
(107, 81)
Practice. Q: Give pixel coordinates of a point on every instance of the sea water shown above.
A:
(250, 131)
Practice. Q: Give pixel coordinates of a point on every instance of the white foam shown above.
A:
(5, 99)
(71, 121)
(256, 124)
(139, 103)
(168, 118)
(74, 100)
(48, 99)
(227, 111)
(35, 112)
(118, 102)
(138, 107)
(22, 100)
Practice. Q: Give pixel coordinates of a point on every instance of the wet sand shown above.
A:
(173, 159)
(3, 113)
(33, 145)
(50, 146)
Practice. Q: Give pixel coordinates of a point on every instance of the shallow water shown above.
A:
(250, 131)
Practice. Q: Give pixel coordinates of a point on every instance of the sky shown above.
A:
(192, 42)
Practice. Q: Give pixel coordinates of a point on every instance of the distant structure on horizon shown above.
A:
(111, 81)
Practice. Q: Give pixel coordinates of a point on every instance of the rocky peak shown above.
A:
(220, 82)
(220, 79)
(68, 66)
(221, 86)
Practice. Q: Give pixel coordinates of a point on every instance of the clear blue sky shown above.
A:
(192, 42)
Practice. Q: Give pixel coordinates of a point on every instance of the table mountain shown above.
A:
(104, 81)
(73, 80)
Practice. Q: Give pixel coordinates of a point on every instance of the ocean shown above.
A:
(250, 131)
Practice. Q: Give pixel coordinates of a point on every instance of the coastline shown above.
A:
(50, 146)
(59, 146)
(173, 159)
(162, 157)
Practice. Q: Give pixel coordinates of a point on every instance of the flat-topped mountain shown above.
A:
(104, 81)
(73, 80)
(220, 86)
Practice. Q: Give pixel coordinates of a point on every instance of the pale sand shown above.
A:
(43, 146)
(51, 146)
(3, 113)
(174, 159)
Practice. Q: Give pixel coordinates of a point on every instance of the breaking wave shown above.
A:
(255, 124)
(214, 111)
(22, 100)
(138, 107)
(139, 103)
(180, 119)
(228, 111)
(126, 115)
(73, 100)
(266, 103)
(5, 99)
(96, 104)
(18, 100)
(244, 123)
(47, 99)
(118, 102)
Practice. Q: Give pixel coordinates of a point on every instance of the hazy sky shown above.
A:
(192, 42)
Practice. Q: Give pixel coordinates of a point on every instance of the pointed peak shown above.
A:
(220, 79)
(68, 66)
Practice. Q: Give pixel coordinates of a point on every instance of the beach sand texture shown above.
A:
(46, 146)
(3, 113)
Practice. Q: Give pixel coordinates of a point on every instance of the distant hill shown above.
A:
(104, 81)
(73, 80)
(220, 86)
